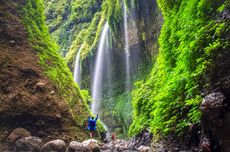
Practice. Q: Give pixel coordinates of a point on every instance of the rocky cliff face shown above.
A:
(143, 28)
(29, 96)
(216, 104)
(77, 24)
(191, 68)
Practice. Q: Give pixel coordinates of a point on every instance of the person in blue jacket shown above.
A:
(92, 125)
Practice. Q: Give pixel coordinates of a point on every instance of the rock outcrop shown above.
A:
(55, 145)
(29, 97)
(28, 144)
(18, 133)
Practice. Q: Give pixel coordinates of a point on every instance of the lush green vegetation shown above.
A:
(54, 66)
(78, 24)
(167, 101)
(85, 19)
(85, 33)
(68, 19)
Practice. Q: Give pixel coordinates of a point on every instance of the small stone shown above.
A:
(91, 145)
(18, 133)
(75, 146)
(54, 146)
(144, 149)
(52, 92)
(28, 144)
(40, 86)
(12, 42)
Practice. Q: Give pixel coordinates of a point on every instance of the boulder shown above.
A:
(144, 149)
(54, 146)
(28, 144)
(213, 107)
(18, 133)
(107, 150)
(75, 146)
(110, 146)
(91, 145)
(142, 139)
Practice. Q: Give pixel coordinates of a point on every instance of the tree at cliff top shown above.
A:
(192, 34)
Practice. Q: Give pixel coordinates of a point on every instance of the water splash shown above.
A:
(109, 62)
(77, 67)
(127, 50)
(98, 70)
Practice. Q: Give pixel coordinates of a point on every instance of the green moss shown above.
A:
(115, 16)
(76, 23)
(86, 40)
(66, 19)
(31, 14)
(168, 100)
(90, 35)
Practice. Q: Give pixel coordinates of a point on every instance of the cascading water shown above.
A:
(109, 65)
(77, 68)
(98, 70)
(127, 51)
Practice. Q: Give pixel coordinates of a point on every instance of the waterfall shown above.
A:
(127, 51)
(98, 70)
(77, 68)
(109, 62)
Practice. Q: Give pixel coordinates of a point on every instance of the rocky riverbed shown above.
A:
(21, 140)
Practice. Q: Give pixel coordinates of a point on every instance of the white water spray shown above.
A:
(127, 51)
(77, 68)
(98, 71)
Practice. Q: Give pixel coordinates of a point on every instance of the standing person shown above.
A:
(92, 125)
(113, 137)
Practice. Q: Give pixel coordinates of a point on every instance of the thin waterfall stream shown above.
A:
(127, 50)
(77, 68)
(98, 70)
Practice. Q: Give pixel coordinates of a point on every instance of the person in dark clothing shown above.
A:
(92, 125)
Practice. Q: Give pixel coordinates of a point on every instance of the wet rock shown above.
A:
(54, 146)
(28, 144)
(122, 145)
(107, 150)
(205, 145)
(142, 139)
(75, 146)
(144, 149)
(213, 109)
(17, 134)
(91, 145)
(109, 146)
(213, 101)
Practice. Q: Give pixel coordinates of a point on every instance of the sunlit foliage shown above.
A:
(168, 100)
